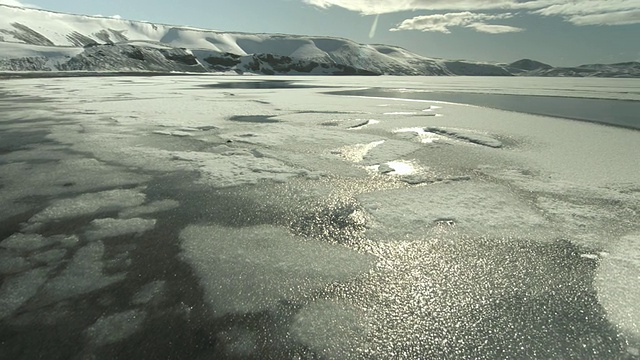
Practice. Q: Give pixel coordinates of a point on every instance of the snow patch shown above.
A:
(238, 167)
(84, 274)
(91, 203)
(149, 292)
(335, 330)
(18, 289)
(250, 269)
(476, 208)
(618, 284)
(151, 208)
(105, 228)
(25, 242)
(114, 328)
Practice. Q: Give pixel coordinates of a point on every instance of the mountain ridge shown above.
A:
(42, 40)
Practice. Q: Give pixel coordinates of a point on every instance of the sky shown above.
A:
(557, 32)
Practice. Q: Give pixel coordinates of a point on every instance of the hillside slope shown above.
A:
(39, 40)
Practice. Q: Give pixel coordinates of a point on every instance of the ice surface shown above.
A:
(18, 289)
(618, 285)
(151, 208)
(26, 174)
(149, 292)
(86, 204)
(425, 137)
(357, 152)
(238, 167)
(50, 257)
(250, 269)
(12, 263)
(472, 207)
(333, 329)
(24, 242)
(467, 135)
(84, 274)
(105, 228)
(114, 328)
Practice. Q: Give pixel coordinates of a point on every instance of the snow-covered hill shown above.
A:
(39, 40)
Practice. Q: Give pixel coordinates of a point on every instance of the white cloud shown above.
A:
(494, 29)
(443, 22)
(372, 7)
(613, 18)
(577, 12)
(16, 3)
(11, 2)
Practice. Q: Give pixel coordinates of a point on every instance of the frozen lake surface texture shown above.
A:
(216, 217)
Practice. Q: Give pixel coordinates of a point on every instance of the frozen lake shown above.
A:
(261, 217)
(605, 111)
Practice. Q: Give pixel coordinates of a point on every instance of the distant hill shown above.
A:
(39, 40)
(529, 65)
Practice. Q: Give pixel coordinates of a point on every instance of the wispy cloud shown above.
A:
(580, 13)
(443, 22)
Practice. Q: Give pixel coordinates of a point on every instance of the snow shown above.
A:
(150, 292)
(87, 204)
(24, 242)
(473, 208)
(116, 327)
(617, 283)
(253, 268)
(83, 274)
(333, 329)
(440, 230)
(151, 208)
(18, 289)
(108, 227)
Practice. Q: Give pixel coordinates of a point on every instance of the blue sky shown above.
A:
(558, 32)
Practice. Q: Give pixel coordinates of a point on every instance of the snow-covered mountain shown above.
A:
(38, 40)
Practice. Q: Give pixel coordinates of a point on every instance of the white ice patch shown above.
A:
(105, 228)
(335, 330)
(11, 263)
(251, 269)
(151, 208)
(471, 207)
(51, 257)
(91, 203)
(401, 167)
(467, 136)
(18, 289)
(425, 137)
(83, 275)
(151, 291)
(618, 285)
(24, 242)
(114, 328)
(401, 113)
(238, 167)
